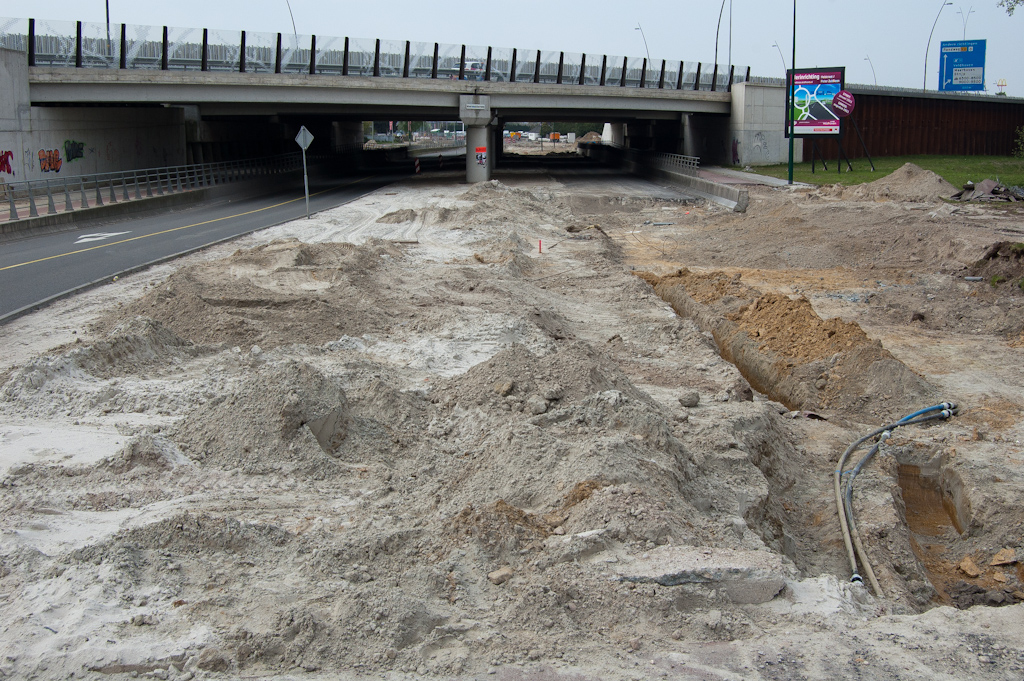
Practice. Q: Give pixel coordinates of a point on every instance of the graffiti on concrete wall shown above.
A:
(73, 150)
(50, 160)
(5, 162)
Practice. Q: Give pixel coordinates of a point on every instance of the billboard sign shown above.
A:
(811, 110)
(962, 65)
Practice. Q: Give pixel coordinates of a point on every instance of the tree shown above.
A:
(1010, 5)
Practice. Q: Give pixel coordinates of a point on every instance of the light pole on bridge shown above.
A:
(924, 85)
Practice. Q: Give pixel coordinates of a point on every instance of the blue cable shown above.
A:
(944, 405)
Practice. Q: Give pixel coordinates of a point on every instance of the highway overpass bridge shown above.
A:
(188, 94)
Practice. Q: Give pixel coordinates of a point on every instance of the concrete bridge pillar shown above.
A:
(475, 112)
(614, 133)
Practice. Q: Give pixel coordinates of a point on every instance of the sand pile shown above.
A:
(908, 183)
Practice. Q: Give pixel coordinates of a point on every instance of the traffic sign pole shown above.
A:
(304, 139)
(305, 181)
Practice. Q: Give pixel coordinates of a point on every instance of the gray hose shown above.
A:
(851, 538)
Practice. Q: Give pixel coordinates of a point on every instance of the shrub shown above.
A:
(1018, 149)
(996, 280)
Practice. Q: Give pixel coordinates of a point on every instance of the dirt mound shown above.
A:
(135, 347)
(909, 183)
(397, 217)
(709, 289)
(273, 294)
(286, 417)
(1002, 266)
(591, 136)
(791, 329)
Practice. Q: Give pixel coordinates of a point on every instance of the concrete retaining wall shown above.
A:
(39, 142)
(757, 126)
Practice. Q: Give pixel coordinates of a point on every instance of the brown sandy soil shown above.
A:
(447, 432)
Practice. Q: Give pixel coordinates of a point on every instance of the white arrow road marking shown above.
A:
(99, 236)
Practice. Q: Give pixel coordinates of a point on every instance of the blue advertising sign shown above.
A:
(962, 65)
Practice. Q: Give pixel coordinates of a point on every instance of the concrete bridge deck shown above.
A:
(356, 97)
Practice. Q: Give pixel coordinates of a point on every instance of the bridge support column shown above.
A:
(475, 112)
(614, 133)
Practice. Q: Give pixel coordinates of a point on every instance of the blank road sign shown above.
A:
(304, 138)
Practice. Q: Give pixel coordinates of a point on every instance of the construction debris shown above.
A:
(989, 190)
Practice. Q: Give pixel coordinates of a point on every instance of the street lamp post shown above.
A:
(789, 93)
(868, 60)
(776, 46)
(638, 28)
(109, 50)
(965, 18)
(924, 84)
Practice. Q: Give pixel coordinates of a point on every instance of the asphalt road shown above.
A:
(42, 268)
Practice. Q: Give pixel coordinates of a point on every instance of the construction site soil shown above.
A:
(574, 426)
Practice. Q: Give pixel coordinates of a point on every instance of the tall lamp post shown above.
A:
(965, 18)
(108, 28)
(868, 60)
(924, 85)
(776, 46)
(789, 93)
(638, 28)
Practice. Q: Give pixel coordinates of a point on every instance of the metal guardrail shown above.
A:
(416, 145)
(90, 45)
(74, 192)
(674, 163)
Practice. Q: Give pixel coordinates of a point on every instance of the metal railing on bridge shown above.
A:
(70, 193)
(91, 45)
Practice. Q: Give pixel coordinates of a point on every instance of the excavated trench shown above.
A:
(932, 518)
(792, 356)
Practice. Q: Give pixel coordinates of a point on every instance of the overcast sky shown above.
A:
(893, 33)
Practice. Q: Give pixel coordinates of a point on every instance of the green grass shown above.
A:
(954, 169)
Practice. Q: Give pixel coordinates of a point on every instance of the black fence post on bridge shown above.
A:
(512, 69)
(604, 67)
(344, 59)
(277, 58)
(462, 64)
(622, 79)
(746, 78)
(312, 55)
(204, 62)
(661, 80)
(78, 44)
(376, 60)
(732, 72)
(679, 78)
(433, 67)
(536, 69)
(643, 75)
(405, 64)
(714, 79)
(241, 54)
(561, 59)
(583, 68)
(123, 61)
(487, 68)
(163, 52)
(31, 42)
(696, 78)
